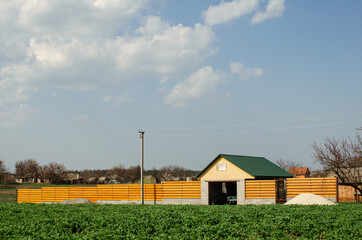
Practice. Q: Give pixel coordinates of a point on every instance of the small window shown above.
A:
(221, 167)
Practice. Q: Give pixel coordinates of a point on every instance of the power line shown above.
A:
(253, 124)
(257, 131)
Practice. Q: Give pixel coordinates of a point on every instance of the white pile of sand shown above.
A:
(309, 199)
(76, 201)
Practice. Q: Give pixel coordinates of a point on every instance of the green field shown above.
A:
(7, 195)
(82, 221)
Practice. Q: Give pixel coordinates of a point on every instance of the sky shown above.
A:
(268, 78)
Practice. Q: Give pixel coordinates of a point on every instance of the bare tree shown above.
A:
(118, 172)
(287, 164)
(54, 172)
(318, 173)
(28, 168)
(94, 175)
(343, 158)
(3, 170)
(155, 173)
(133, 174)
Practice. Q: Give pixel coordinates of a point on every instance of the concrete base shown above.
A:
(181, 201)
(332, 199)
(127, 202)
(171, 201)
(260, 201)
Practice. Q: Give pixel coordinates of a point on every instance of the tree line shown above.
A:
(31, 170)
(342, 157)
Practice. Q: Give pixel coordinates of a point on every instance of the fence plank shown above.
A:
(260, 189)
(325, 187)
(152, 192)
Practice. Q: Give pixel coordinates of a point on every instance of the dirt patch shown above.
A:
(77, 201)
(8, 192)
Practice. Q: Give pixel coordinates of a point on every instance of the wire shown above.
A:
(253, 124)
(258, 131)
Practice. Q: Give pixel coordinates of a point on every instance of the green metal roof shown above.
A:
(255, 166)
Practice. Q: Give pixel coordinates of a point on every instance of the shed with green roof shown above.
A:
(235, 167)
(225, 178)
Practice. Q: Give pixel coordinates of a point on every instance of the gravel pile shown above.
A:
(76, 201)
(309, 199)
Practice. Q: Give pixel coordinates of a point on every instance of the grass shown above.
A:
(7, 193)
(7, 198)
(93, 221)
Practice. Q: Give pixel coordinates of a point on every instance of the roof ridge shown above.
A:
(240, 155)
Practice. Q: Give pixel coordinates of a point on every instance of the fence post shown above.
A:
(337, 193)
(240, 192)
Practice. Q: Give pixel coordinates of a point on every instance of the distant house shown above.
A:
(30, 180)
(299, 172)
(115, 179)
(72, 178)
(103, 180)
(92, 180)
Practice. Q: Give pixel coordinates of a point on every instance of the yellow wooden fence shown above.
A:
(29, 195)
(260, 189)
(254, 189)
(181, 190)
(130, 192)
(325, 187)
(115, 192)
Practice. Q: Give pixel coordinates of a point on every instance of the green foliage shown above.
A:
(82, 221)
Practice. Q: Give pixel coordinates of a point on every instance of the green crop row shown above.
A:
(83, 221)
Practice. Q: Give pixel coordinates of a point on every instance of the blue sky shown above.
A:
(78, 79)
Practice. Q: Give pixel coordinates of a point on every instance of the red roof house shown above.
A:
(299, 172)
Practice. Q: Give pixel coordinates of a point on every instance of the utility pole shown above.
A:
(142, 133)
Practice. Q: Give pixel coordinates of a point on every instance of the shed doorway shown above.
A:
(221, 193)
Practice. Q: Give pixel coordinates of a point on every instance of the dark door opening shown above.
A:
(221, 193)
(281, 195)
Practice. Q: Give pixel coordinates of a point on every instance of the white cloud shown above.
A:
(51, 43)
(238, 70)
(20, 20)
(275, 8)
(164, 49)
(77, 17)
(155, 49)
(199, 85)
(114, 102)
(12, 115)
(227, 11)
(91, 44)
(14, 87)
(107, 99)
